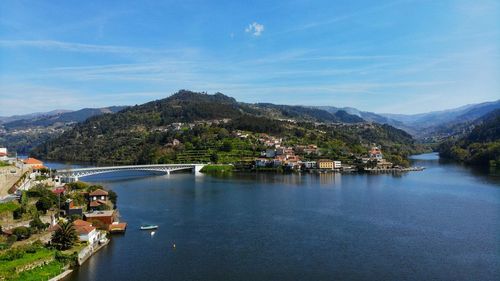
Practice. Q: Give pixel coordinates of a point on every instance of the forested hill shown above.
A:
(481, 146)
(206, 126)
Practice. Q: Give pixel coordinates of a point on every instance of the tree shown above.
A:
(37, 224)
(112, 197)
(43, 204)
(65, 236)
(21, 232)
(226, 146)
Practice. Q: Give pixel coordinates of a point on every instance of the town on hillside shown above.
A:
(48, 223)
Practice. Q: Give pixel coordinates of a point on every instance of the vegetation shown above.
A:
(480, 147)
(65, 236)
(44, 272)
(16, 259)
(215, 169)
(147, 130)
(8, 207)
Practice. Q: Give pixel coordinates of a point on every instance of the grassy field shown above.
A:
(217, 169)
(45, 272)
(8, 267)
(8, 207)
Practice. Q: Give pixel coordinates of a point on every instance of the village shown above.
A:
(48, 223)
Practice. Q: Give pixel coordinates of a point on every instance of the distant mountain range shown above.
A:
(54, 117)
(431, 126)
(434, 126)
(23, 132)
(5, 119)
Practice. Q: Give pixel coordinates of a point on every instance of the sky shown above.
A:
(399, 56)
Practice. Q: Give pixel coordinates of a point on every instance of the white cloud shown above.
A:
(255, 28)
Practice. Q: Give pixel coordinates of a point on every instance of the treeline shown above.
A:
(480, 147)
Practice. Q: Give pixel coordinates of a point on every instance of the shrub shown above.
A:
(22, 232)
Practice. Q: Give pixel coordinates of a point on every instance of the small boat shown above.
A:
(148, 226)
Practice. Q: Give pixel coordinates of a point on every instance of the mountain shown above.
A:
(480, 146)
(438, 125)
(5, 119)
(365, 115)
(54, 117)
(308, 113)
(206, 127)
(22, 133)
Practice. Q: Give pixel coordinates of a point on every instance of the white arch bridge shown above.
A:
(71, 175)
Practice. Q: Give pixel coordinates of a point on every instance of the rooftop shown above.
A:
(98, 192)
(100, 214)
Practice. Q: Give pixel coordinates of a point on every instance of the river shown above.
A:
(439, 224)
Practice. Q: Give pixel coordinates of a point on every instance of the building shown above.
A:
(3, 154)
(270, 153)
(33, 163)
(337, 164)
(309, 164)
(325, 164)
(376, 153)
(98, 195)
(86, 232)
(71, 209)
(262, 162)
(104, 218)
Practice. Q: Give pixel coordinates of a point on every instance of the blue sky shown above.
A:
(382, 56)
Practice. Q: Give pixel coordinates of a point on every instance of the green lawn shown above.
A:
(45, 272)
(8, 207)
(8, 267)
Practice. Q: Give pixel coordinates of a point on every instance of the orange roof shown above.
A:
(81, 223)
(33, 161)
(96, 203)
(84, 229)
(98, 192)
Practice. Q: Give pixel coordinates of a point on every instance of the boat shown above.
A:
(148, 226)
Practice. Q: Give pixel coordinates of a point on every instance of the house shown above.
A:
(3, 154)
(309, 164)
(375, 153)
(97, 205)
(104, 218)
(325, 164)
(337, 164)
(86, 232)
(261, 162)
(270, 153)
(98, 195)
(71, 209)
(33, 163)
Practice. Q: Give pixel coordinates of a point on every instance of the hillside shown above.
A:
(481, 146)
(53, 118)
(207, 126)
(439, 125)
(24, 132)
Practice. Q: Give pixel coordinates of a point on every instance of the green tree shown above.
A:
(37, 224)
(112, 197)
(21, 232)
(65, 236)
(43, 204)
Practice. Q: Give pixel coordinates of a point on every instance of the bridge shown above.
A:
(71, 175)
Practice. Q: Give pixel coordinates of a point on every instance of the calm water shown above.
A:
(440, 224)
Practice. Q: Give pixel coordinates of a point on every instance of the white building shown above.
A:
(337, 164)
(86, 232)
